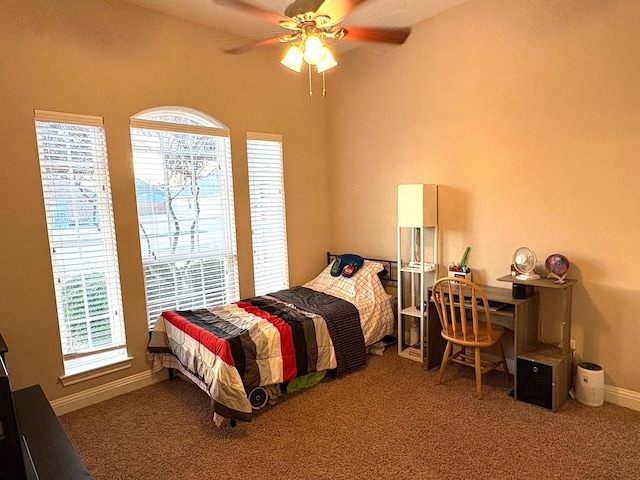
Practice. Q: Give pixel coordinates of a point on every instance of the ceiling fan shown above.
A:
(310, 26)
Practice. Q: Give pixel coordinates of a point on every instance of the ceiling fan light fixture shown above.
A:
(310, 25)
(327, 62)
(314, 50)
(293, 59)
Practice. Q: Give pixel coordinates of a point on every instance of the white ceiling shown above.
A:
(378, 13)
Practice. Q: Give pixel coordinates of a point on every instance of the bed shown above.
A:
(248, 353)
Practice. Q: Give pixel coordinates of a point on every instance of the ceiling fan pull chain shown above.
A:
(310, 86)
(324, 87)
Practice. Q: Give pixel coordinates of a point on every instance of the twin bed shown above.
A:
(249, 352)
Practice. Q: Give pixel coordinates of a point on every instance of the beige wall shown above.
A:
(527, 114)
(110, 59)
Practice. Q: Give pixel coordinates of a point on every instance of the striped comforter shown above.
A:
(261, 341)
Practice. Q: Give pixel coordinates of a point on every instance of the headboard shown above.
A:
(390, 266)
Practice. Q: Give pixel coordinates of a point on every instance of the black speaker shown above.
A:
(521, 291)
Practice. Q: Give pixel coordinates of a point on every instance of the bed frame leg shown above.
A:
(171, 374)
(233, 422)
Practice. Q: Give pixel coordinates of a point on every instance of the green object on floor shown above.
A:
(305, 381)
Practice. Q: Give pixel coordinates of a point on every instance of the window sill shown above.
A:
(105, 369)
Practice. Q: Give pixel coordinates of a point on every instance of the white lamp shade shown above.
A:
(293, 59)
(327, 61)
(417, 205)
(314, 51)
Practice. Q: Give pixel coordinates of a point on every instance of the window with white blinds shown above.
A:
(184, 193)
(84, 258)
(268, 220)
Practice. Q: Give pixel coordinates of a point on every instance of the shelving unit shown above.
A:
(558, 298)
(417, 265)
(536, 354)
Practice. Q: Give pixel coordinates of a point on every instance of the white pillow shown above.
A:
(364, 283)
(365, 291)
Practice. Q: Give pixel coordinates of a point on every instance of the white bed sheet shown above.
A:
(366, 292)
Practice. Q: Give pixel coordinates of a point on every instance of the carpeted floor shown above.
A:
(387, 421)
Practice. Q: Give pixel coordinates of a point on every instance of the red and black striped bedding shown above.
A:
(261, 341)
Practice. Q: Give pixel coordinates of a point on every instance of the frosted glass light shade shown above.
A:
(314, 51)
(327, 61)
(293, 59)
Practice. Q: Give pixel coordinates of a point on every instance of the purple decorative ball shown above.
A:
(557, 264)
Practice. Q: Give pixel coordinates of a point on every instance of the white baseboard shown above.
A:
(622, 397)
(615, 395)
(106, 391)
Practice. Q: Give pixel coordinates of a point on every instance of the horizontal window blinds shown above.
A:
(184, 195)
(268, 220)
(77, 195)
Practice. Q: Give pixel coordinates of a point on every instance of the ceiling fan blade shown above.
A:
(245, 7)
(337, 9)
(377, 34)
(252, 46)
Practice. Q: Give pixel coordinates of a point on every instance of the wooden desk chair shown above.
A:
(460, 326)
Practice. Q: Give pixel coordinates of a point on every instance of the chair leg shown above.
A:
(445, 360)
(478, 373)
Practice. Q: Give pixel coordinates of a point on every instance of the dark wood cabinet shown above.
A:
(29, 419)
(53, 454)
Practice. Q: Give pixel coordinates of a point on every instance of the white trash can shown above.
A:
(590, 384)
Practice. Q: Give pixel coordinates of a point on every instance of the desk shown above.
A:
(544, 365)
(518, 315)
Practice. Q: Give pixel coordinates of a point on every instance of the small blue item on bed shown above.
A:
(346, 265)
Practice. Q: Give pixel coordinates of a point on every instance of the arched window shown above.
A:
(184, 193)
